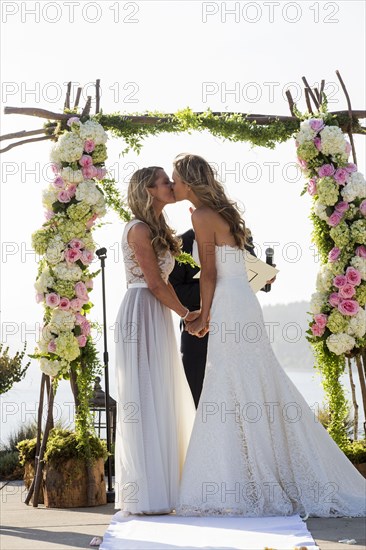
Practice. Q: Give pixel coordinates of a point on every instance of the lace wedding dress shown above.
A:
(257, 449)
(155, 408)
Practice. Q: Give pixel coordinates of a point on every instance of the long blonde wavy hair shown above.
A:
(201, 178)
(140, 202)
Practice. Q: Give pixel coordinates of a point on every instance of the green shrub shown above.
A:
(11, 368)
(356, 451)
(10, 467)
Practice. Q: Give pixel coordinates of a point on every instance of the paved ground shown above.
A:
(27, 528)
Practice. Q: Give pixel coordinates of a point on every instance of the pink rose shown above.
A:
(63, 196)
(79, 319)
(76, 243)
(350, 167)
(39, 297)
(81, 340)
(348, 307)
(71, 190)
(49, 214)
(55, 168)
(90, 222)
(334, 219)
(87, 257)
(59, 183)
(363, 207)
(347, 291)
(334, 254)
(89, 172)
(312, 186)
(89, 145)
(342, 206)
(52, 299)
(52, 346)
(81, 291)
(85, 328)
(316, 124)
(89, 283)
(326, 170)
(302, 163)
(64, 304)
(321, 319)
(334, 299)
(361, 251)
(73, 120)
(100, 173)
(76, 304)
(353, 276)
(72, 255)
(86, 160)
(340, 280)
(341, 176)
(318, 143)
(317, 330)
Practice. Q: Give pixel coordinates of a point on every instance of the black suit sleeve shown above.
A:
(181, 278)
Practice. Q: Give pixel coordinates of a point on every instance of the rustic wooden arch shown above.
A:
(348, 120)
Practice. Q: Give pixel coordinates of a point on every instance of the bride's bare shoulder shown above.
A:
(204, 214)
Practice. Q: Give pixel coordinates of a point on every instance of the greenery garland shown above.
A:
(232, 126)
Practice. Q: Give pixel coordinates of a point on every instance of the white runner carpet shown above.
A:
(165, 532)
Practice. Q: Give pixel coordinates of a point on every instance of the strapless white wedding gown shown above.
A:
(256, 448)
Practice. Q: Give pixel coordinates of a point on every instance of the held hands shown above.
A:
(197, 327)
(192, 315)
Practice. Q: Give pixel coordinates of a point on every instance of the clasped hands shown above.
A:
(195, 325)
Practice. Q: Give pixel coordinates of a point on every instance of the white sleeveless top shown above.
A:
(134, 275)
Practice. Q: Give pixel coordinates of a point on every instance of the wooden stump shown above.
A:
(28, 478)
(361, 468)
(67, 485)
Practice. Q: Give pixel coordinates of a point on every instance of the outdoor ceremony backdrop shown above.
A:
(165, 56)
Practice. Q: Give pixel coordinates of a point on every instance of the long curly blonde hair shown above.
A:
(140, 201)
(200, 176)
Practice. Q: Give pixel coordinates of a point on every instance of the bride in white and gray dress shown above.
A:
(256, 448)
(155, 408)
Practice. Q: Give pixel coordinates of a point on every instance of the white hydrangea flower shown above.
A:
(72, 176)
(359, 263)
(92, 130)
(333, 141)
(49, 196)
(357, 180)
(324, 279)
(320, 210)
(100, 207)
(88, 192)
(55, 251)
(45, 338)
(67, 272)
(317, 301)
(305, 133)
(71, 147)
(44, 280)
(61, 321)
(340, 343)
(357, 324)
(52, 368)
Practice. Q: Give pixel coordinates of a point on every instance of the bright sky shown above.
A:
(229, 56)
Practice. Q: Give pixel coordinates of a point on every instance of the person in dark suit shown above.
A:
(193, 349)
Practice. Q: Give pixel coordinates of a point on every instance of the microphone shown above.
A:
(269, 261)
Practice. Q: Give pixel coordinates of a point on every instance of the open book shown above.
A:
(258, 272)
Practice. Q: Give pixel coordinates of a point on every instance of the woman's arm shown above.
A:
(203, 223)
(139, 238)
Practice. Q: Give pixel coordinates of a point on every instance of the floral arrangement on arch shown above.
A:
(73, 202)
(338, 213)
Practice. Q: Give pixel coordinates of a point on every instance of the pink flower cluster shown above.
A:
(76, 251)
(318, 327)
(86, 162)
(346, 290)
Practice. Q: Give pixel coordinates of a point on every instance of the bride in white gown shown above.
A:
(256, 448)
(155, 408)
